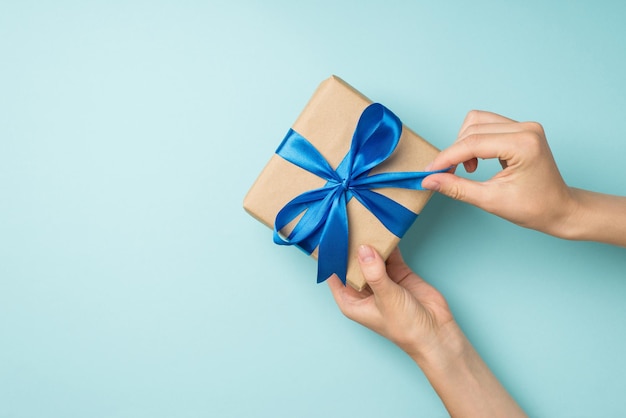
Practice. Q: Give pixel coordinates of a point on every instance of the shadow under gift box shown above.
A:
(328, 122)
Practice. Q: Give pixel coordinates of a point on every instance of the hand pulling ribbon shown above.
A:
(325, 219)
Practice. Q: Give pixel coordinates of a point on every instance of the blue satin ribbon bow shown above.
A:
(325, 219)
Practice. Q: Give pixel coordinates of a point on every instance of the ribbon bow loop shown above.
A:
(375, 138)
(324, 218)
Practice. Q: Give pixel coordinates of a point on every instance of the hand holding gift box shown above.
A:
(342, 146)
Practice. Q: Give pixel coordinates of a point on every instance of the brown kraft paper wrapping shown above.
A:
(328, 122)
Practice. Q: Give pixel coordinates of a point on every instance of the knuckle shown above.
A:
(456, 192)
(471, 119)
(375, 274)
(473, 116)
(471, 140)
(532, 142)
(468, 130)
(535, 127)
(534, 133)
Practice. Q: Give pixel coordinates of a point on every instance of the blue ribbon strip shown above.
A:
(325, 219)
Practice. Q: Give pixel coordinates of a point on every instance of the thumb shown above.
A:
(375, 272)
(457, 188)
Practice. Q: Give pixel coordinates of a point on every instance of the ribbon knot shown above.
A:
(324, 218)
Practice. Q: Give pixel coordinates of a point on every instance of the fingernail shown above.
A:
(428, 167)
(366, 254)
(431, 184)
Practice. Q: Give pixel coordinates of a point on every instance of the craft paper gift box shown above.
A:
(328, 122)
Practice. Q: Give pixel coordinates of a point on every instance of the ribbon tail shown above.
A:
(396, 218)
(401, 180)
(333, 248)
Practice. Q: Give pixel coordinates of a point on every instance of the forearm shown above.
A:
(462, 379)
(596, 217)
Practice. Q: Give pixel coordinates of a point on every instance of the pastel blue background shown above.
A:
(133, 284)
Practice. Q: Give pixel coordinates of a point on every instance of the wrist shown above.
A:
(446, 347)
(595, 217)
(565, 221)
(569, 226)
(462, 379)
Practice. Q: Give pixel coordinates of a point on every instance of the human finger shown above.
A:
(397, 269)
(479, 117)
(336, 288)
(374, 271)
(347, 299)
(470, 165)
(491, 128)
(483, 146)
(487, 128)
(458, 188)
